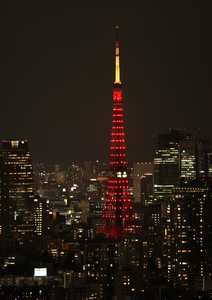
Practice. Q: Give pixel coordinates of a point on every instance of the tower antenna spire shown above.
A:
(117, 57)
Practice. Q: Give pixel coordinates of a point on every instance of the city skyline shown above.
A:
(57, 69)
(81, 216)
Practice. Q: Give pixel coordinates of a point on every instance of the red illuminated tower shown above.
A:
(117, 212)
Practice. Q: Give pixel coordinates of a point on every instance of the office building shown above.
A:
(16, 218)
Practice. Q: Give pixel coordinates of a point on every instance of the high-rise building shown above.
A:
(188, 162)
(16, 218)
(166, 164)
(178, 156)
(142, 176)
(180, 160)
(151, 259)
(117, 212)
(187, 237)
(146, 185)
(40, 216)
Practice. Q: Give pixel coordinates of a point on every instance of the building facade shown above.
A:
(16, 218)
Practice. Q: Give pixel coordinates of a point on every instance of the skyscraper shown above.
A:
(166, 164)
(142, 171)
(181, 166)
(16, 184)
(188, 235)
(188, 159)
(117, 212)
(178, 156)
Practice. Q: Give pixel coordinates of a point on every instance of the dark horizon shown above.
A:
(57, 69)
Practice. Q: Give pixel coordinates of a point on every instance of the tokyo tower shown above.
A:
(117, 212)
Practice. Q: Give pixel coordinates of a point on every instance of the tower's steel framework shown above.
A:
(118, 212)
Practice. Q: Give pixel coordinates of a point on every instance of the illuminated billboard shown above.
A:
(40, 272)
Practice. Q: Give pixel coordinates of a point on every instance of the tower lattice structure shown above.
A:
(118, 212)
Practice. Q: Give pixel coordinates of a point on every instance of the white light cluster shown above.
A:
(122, 174)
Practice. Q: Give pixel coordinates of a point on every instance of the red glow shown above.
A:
(117, 95)
(118, 212)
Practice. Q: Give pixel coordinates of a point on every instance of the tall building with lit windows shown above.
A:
(180, 162)
(40, 211)
(178, 156)
(16, 218)
(166, 164)
(188, 237)
(188, 157)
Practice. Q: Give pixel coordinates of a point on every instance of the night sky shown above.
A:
(56, 72)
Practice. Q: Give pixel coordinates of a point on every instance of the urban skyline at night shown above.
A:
(105, 152)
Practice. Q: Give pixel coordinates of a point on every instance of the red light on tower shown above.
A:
(118, 212)
(117, 95)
